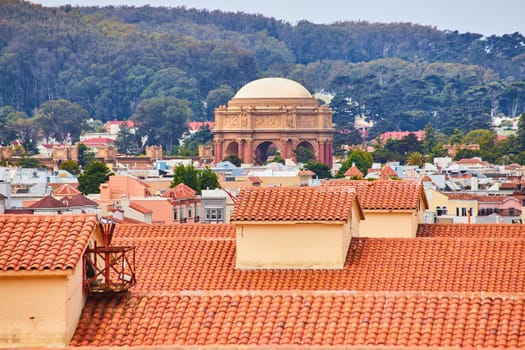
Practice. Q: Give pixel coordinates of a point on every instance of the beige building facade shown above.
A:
(273, 115)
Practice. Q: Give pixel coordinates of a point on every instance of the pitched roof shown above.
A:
(48, 202)
(472, 230)
(354, 171)
(38, 242)
(303, 320)
(293, 204)
(195, 261)
(65, 190)
(78, 200)
(387, 172)
(181, 191)
(305, 172)
(384, 194)
(140, 208)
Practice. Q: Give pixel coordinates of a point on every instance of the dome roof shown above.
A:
(273, 88)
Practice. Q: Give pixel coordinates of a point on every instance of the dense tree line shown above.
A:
(145, 62)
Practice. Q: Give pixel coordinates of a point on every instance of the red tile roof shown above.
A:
(48, 202)
(387, 172)
(65, 190)
(37, 242)
(166, 262)
(384, 194)
(140, 208)
(294, 204)
(304, 320)
(472, 230)
(181, 191)
(305, 172)
(78, 201)
(354, 171)
(174, 232)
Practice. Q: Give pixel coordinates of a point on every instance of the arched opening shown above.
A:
(304, 152)
(232, 149)
(265, 152)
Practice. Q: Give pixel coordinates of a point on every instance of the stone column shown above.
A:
(217, 152)
(321, 153)
(249, 158)
(240, 143)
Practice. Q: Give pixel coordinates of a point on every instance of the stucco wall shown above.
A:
(292, 245)
(33, 311)
(76, 299)
(389, 224)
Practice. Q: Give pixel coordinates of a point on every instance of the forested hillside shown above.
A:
(121, 62)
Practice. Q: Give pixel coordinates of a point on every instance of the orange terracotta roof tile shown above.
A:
(472, 230)
(303, 320)
(354, 171)
(38, 242)
(387, 172)
(305, 172)
(181, 191)
(200, 262)
(65, 190)
(384, 194)
(293, 204)
(174, 231)
(139, 208)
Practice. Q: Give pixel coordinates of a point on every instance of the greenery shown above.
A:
(127, 141)
(95, 174)
(191, 144)
(362, 160)
(70, 166)
(195, 178)
(234, 159)
(28, 162)
(321, 170)
(304, 155)
(85, 155)
(162, 66)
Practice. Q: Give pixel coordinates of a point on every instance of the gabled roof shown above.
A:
(65, 190)
(354, 171)
(384, 194)
(294, 204)
(305, 172)
(38, 242)
(181, 191)
(78, 201)
(48, 202)
(387, 172)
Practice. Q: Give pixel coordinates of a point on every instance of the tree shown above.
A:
(234, 159)
(195, 178)
(304, 155)
(126, 141)
(415, 158)
(28, 162)
(190, 147)
(208, 179)
(61, 119)
(362, 160)
(321, 170)
(94, 174)
(85, 155)
(162, 120)
(186, 174)
(520, 135)
(70, 166)
(217, 97)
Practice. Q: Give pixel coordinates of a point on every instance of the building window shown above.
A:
(511, 211)
(463, 211)
(214, 215)
(441, 210)
(175, 214)
(189, 212)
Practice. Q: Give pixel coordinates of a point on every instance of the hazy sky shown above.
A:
(476, 16)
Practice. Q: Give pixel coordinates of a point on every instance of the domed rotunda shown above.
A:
(272, 115)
